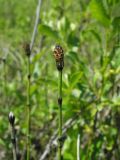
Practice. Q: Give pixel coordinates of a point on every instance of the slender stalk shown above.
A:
(78, 147)
(11, 118)
(59, 58)
(36, 24)
(60, 116)
(5, 82)
(28, 53)
(28, 108)
(46, 86)
(13, 138)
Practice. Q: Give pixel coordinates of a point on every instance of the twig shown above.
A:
(53, 139)
(36, 24)
(78, 147)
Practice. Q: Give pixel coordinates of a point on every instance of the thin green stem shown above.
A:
(13, 138)
(5, 83)
(28, 109)
(46, 86)
(60, 116)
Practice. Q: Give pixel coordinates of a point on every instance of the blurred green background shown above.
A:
(88, 31)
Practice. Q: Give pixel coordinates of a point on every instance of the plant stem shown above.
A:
(13, 138)
(5, 83)
(28, 108)
(46, 86)
(78, 147)
(36, 24)
(60, 116)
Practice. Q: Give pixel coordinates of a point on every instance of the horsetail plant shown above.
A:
(59, 58)
(11, 118)
(28, 53)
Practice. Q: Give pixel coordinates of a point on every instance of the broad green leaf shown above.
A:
(74, 79)
(48, 31)
(99, 13)
(73, 56)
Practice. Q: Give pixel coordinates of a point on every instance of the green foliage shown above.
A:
(99, 12)
(47, 31)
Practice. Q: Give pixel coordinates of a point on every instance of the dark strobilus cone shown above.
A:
(59, 57)
(11, 118)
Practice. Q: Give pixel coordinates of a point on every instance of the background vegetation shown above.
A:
(88, 30)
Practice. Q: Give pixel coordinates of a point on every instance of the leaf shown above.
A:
(74, 79)
(116, 23)
(96, 35)
(2, 143)
(72, 39)
(99, 13)
(63, 24)
(48, 31)
(116, 10)
(55, 2)
(73, 56)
